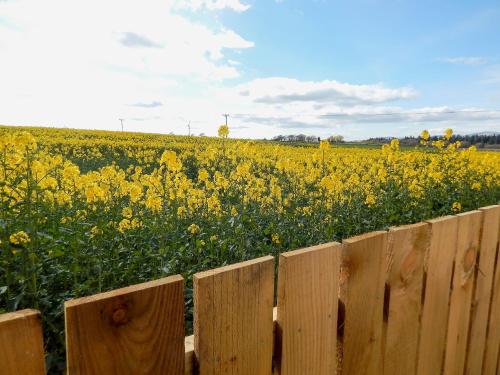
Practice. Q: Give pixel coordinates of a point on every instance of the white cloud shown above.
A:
(82, 64)
(471, 60)
(280, 90)
(235, 5)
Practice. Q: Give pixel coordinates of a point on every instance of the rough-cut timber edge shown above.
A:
(111, 333)
(21, 343)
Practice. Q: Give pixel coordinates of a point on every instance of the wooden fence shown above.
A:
(421, 299)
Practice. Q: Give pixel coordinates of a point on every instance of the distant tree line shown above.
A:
(479, 140)
(306, 138)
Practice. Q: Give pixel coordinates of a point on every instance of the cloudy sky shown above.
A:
(359, 68)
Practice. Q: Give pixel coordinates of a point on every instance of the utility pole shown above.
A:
(121, 122)
(189, 128)
(226, 115)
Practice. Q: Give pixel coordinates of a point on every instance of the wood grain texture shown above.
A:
(233, 318)
(469, 230)
(406, 250)
(21, 343)
(308, 282)
(189, 357)
(362, 292)
(434, 321)
(135, 330)
(492, 353)
(482, 294)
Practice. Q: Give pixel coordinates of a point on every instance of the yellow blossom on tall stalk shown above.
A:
(223, 131)
(425, 135)
(448, 133)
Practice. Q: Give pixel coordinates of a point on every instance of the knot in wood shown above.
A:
(119, 315)
(408, 266)
(469, 259)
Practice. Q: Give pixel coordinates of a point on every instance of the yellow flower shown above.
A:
(223, 131)
(127, 212)
(169, 158)
(275, 238)
(95, 231)
(425, 135)
(476, 186)
(203, 175)
(124, 225)
(395, 144)
(194, 229)
(213, 238)
(324, 145)
(370, 200)
(154, 203)
(19, 238)
(456, 207)
(181, 211)
(448, 133)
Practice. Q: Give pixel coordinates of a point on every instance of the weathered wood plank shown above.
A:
(469, 230)
(308, 282)
(21, 343)
(362, 291)
(233, 318)
(406, 249)
(492, 353)
(482, 295)
(134, 330)
(443, 244)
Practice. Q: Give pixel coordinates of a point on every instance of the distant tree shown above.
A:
(336, 139)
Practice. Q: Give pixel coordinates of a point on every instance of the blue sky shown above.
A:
(278, 67)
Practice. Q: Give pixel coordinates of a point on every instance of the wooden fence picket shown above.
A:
(482, 295)
(406, 250)
(468, 235)
(134, 330)
(362, 292)
(233, 318)
(492, 350)
(21, 343)
(442, 248)
(308, 282)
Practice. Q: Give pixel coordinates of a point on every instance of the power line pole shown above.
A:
(226, 115)
(121, 122)
(189, 128)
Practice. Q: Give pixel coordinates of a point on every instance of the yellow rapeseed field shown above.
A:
(87, 211)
